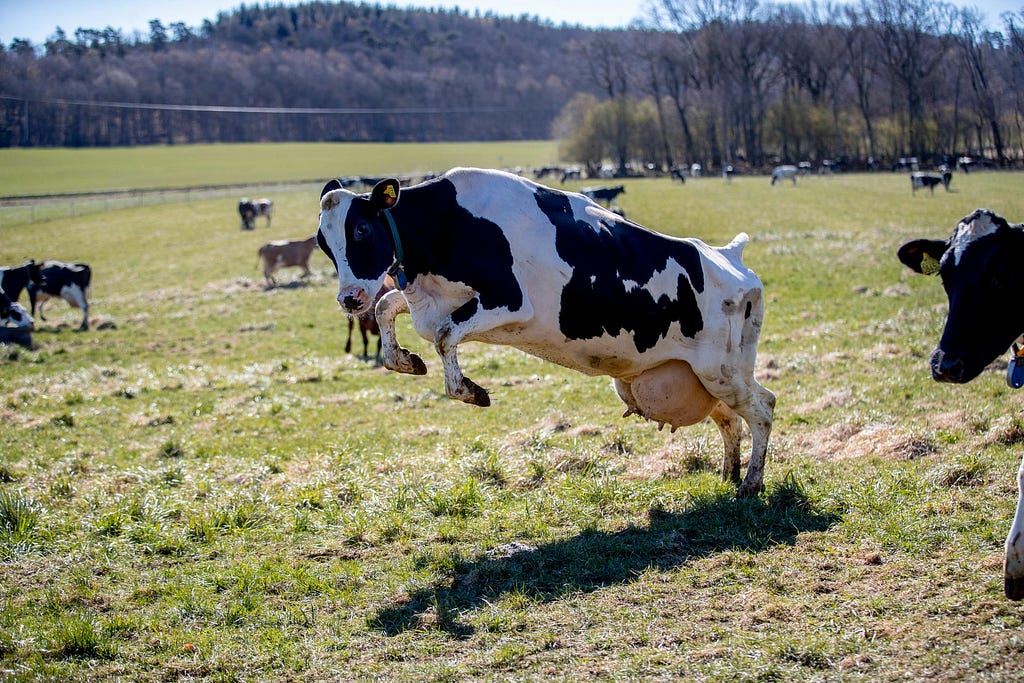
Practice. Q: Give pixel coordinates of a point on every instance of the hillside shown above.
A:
(358, 72)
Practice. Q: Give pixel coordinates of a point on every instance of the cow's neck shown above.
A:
(397, 269)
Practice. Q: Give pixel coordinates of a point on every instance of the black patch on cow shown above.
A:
(438, 237)
(465, 312)
(595, 300)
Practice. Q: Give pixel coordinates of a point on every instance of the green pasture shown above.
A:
(206, 487)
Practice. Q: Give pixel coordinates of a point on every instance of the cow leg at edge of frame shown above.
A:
(395, 357)
(1013, 569)
(758, 413)
(730, 425)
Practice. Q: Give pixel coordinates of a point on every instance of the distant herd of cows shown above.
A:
(565, 277)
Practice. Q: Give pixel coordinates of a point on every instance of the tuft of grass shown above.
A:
(19, 516)
(80, 636)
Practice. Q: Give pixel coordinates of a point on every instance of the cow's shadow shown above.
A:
(595, 559)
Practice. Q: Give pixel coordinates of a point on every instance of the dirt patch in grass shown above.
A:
(850, 440)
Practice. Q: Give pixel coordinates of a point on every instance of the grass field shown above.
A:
(208, 488)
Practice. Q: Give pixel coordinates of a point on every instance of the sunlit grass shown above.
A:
(208, 488)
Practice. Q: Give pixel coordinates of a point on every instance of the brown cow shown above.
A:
(368, 323)
(286, 253)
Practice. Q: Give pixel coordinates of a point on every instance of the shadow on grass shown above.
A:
(596, 559)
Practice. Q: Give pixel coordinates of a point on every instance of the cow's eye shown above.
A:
(361, 232)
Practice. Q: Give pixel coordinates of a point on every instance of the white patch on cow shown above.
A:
(967, 233)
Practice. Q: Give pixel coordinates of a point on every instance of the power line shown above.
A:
(224, 109)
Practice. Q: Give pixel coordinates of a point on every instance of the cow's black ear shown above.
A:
(923, 256)
(332, 184)
(385, 194)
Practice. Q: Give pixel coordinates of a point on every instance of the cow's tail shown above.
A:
(734, 250)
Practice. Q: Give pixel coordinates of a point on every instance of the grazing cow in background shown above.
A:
(248, 211)
(929, 180)
(13, 314)
(678, 173)
(488, 256)
(980, 270)
(13, 281)
(605, 195)
(68, 281)
(368, 323)
(781, 173)
(265, 208)
(286, 254)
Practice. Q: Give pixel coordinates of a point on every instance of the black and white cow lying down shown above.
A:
(981, 273)
(493, 257)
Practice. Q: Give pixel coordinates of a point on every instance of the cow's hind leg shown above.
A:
(731, 427)
(76, 298)
(1013, 570)
(396, 358)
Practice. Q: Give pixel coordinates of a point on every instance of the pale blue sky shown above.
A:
(37, 20)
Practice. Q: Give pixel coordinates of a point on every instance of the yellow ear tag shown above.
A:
(929, 266)
(391, 195)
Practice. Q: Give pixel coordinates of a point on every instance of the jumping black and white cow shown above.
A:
(487, 256)
(929, 180)
(980, 270)
(780, 173)
(68, 281)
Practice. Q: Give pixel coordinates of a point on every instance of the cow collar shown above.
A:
(1015, 369)
(397, 269)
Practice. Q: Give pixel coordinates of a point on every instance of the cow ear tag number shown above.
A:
(929, 264)
(1015, 370)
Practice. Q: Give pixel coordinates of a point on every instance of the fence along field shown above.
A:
(212, 489)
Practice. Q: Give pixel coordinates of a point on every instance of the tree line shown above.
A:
(717, 82)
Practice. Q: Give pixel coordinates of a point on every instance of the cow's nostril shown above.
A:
(351, 303)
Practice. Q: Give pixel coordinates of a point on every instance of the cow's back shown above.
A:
(608, 296)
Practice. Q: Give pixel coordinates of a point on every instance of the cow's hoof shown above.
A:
(418, 366)
(1014, 587)
(406, 362)
(748, 490)
(472, 393)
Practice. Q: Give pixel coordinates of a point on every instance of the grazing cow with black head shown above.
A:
(489, 256)
(605, 195)
(68, 281)
(248, 211)
(929, 180)
(14, 281)
(980, 268)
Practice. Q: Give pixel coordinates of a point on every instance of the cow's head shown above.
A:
(13, 314)
(356, 237)
(981, 271)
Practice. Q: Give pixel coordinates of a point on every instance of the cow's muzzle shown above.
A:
(355, 301)
(947, 369)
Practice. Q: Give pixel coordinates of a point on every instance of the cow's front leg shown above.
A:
(396, 358)
(446, 341)
(1013, 570)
